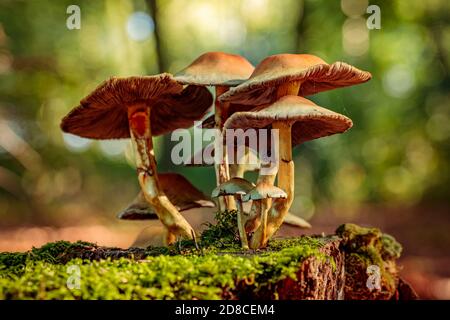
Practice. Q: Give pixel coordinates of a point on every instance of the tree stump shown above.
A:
(336, 267)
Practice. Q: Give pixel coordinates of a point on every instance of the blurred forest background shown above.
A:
(391, 170)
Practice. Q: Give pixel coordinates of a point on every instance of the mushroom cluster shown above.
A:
(270, 96)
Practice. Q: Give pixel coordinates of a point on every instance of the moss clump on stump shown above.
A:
(213, 275)
(365, 250)
(308, 267)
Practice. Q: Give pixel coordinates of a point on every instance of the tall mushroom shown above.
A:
(180, 192)
(290, 74)
(140, 108)
(236, 187)
(221, 70)
(298, 120)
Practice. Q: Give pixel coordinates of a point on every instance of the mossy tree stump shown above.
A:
(316, 267)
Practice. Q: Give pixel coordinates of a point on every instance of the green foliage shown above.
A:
(224, 233)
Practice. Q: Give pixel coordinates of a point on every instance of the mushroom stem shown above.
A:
(259, 238)
(139, 121)
(253, 220)
(237, 170)
(285, 174)
(281, 207)
(222, 169)
(240, 222)
(170, 238)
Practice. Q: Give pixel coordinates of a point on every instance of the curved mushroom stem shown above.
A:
(253, 220)
(281, 207)
(139, 120)
(169, 238)
(259, 237)
(222, 169)
(240, 222)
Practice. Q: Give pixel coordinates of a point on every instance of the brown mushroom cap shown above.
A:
(264, 191)
(216, 69)
(103, 113)
(309, 120)
(178, 190)
(315, 75)
(210, 122)
(232, 187)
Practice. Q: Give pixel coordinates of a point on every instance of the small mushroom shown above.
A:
(221, 70)
(298, 120)
(236, 187)
(237, 170)
(307, 74)
(263, 193)
(140, 108)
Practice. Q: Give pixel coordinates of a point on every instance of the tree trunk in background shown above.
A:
(160, 55)
(299, 46)
(164, 163)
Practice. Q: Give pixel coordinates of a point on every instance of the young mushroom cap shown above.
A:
(177, 188)
(103, 113)
(309, 120)
(314, 74)
(216, 69)
(232, 187)
(264, 191)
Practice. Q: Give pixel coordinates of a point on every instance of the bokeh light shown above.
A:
(140, 26)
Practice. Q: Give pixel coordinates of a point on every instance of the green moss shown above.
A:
(55, 252)
(365, 247)
(209, 269)
(191, 276)
(390, 248)
(224, 233)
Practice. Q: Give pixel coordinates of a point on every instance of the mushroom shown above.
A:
(295, 74)
(140, 108)
(262, 194)
(180, 192)
(290, 74)
(221, 70)
(236, 187)
(298, 120)
(237, 170)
